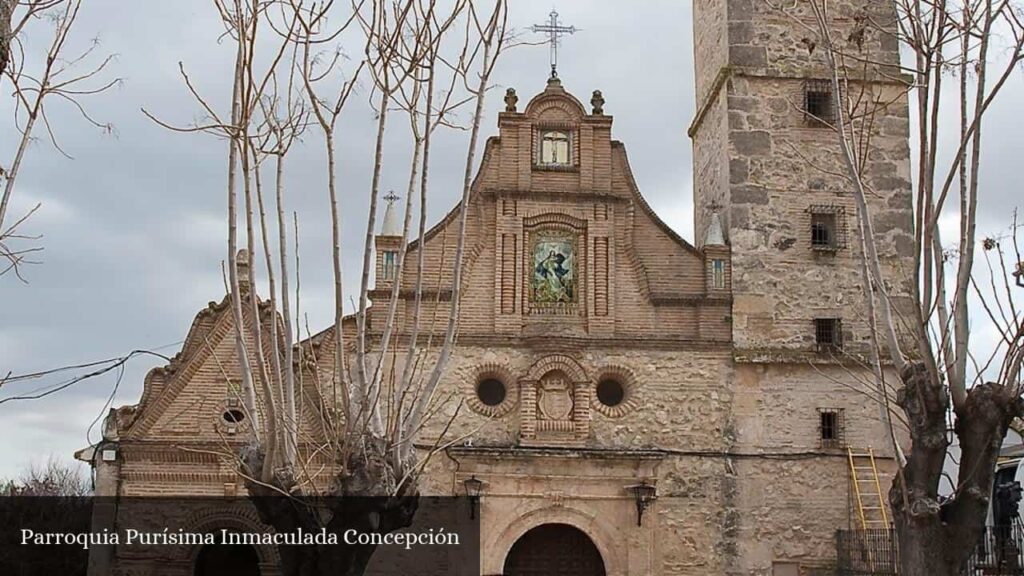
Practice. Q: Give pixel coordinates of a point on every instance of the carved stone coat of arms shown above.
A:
(554, 398)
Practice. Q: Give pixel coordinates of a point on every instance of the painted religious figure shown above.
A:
(554, 269)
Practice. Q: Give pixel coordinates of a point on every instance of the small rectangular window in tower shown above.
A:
(718, 274)
(830, 427)
(819, 107)
(828, 334)
(390, 265)
(554, 148)
(828, 227)
(823, 232)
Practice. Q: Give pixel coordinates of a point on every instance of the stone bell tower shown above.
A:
(767, 158)
(768, 172)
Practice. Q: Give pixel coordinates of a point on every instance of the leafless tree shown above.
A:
(35, 80)
(53, 478)
(422, 61)
(958, 57)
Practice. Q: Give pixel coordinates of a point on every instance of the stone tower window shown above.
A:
(390, 265)
(830, 427)
(819, 105)
(828, 334)
(823, 231)
(828, 230)
(554, 148)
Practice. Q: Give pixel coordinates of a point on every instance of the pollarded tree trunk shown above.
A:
(355, 502)
(936, 538)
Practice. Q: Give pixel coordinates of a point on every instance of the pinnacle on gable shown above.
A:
(389, 225)
(242, 265)
(715, 234)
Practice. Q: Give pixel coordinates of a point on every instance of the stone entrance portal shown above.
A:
(227, 561)
(554, 549)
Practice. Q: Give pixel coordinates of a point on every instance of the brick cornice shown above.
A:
(583, 343)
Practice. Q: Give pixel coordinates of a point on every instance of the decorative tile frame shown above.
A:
(538, 227)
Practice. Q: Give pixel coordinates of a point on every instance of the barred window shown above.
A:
(828, 333)
(819, 105)
(830, 427)
(823, 231)
(828, 227)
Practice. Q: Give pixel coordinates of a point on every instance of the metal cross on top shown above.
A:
(554, 30)
(391, 197)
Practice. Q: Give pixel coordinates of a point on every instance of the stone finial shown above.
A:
(597, 101)
(511, 100)
(389, 225)
(242, 265)
(715, 235)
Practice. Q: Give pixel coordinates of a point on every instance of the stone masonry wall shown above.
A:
(781, 166)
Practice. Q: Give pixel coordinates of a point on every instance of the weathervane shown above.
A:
(554, 30)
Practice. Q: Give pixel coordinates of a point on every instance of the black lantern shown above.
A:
(644, 494)
(473, 488)
(1019, 274)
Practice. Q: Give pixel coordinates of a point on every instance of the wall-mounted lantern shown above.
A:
(473, 488)
(644, 494)
(1019, 274)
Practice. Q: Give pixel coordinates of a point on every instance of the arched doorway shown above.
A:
(554, 549)
(225, 560)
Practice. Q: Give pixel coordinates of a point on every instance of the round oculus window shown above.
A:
(491, 391)
(233, 416)
(610, 392)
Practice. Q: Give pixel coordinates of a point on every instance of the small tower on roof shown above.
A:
(388, 243)
(717, 255)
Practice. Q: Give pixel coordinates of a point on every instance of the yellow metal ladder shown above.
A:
(867, 490)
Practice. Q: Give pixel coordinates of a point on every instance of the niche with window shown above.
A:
(819, 103)
(830, 427)
(555, 149)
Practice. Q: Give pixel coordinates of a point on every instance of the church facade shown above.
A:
(631, 402)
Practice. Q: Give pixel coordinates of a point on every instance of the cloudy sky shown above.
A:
(134, 224)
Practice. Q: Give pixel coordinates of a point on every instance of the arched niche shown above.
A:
(554, 403)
